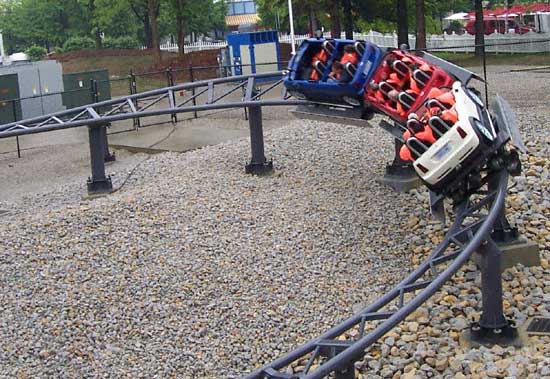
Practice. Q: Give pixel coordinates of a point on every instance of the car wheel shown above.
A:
(351, 101)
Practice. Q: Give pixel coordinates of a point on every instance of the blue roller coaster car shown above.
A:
(310, 72)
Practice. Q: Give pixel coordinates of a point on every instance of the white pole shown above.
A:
(291, 17)
(1, 47)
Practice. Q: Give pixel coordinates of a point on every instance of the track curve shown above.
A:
(197, 96)
(472, 227)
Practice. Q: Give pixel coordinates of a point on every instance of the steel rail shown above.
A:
(102, 112)
(467, 237)
(125, 116)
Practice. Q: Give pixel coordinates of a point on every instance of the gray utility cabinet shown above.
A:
(40, 85)
(10, 110)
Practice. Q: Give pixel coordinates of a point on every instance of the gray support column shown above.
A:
(493, 328)
(107, 155)
(491, 287)
(98, 183)
(258, 163)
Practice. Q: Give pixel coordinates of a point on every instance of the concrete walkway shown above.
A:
(189, 134)
(53, 158)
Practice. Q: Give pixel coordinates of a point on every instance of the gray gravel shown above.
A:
(194, 269)
(427, 344)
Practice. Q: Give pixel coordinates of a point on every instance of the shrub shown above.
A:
(36, 53)
(456, 27)
(124, 42)
(78, 43)
(58, 50)
(378, 25)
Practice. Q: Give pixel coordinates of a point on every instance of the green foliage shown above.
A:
(34, 22)
(36, 53)
(124, 23)
(455, 26)
(78, 43)
(124, 42)
(58, 50)
(198, 16)
(378, 25)
(114, 18)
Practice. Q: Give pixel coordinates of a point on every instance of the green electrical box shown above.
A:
(10, 111)
(78, 91)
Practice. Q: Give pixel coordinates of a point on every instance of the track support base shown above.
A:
(259, 168)
(402, 178)
(400, 175)
(519, 251)
(514, 247)
(99, 187)
(477, 336)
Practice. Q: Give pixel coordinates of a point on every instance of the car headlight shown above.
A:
(475, 98)
(483, 129)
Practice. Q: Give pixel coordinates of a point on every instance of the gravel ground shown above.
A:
(194, 269)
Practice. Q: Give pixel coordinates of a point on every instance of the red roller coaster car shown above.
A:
(402, 83)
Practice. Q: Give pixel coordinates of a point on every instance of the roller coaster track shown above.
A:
(336, 351)
(188, 97)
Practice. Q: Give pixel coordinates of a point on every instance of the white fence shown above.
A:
(497, 43)
(190, 47)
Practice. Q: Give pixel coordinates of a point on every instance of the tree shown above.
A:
(402, 23)
(197, 16)
(95, 30)
(480, 29)
(139, 8)
(179, 7)
(153, 9)
(335, 26)
(111, 19)
(309, 15)
(51, 23)
(34, 22)
(348, 19)
(420, 25)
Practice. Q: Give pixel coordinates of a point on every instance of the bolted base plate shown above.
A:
(259, 168)
(96, 187)
(477, 336)
(109, 157)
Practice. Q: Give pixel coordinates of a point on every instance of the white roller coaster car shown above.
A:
(458, 148)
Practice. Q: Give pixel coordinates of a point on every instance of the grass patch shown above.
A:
(117, 65)
(119, 69)
(470, 60)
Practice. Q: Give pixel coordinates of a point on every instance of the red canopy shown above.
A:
(517, 9)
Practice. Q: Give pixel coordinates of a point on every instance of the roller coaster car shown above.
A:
(460, 150)
(402, 83)
(308, 71)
